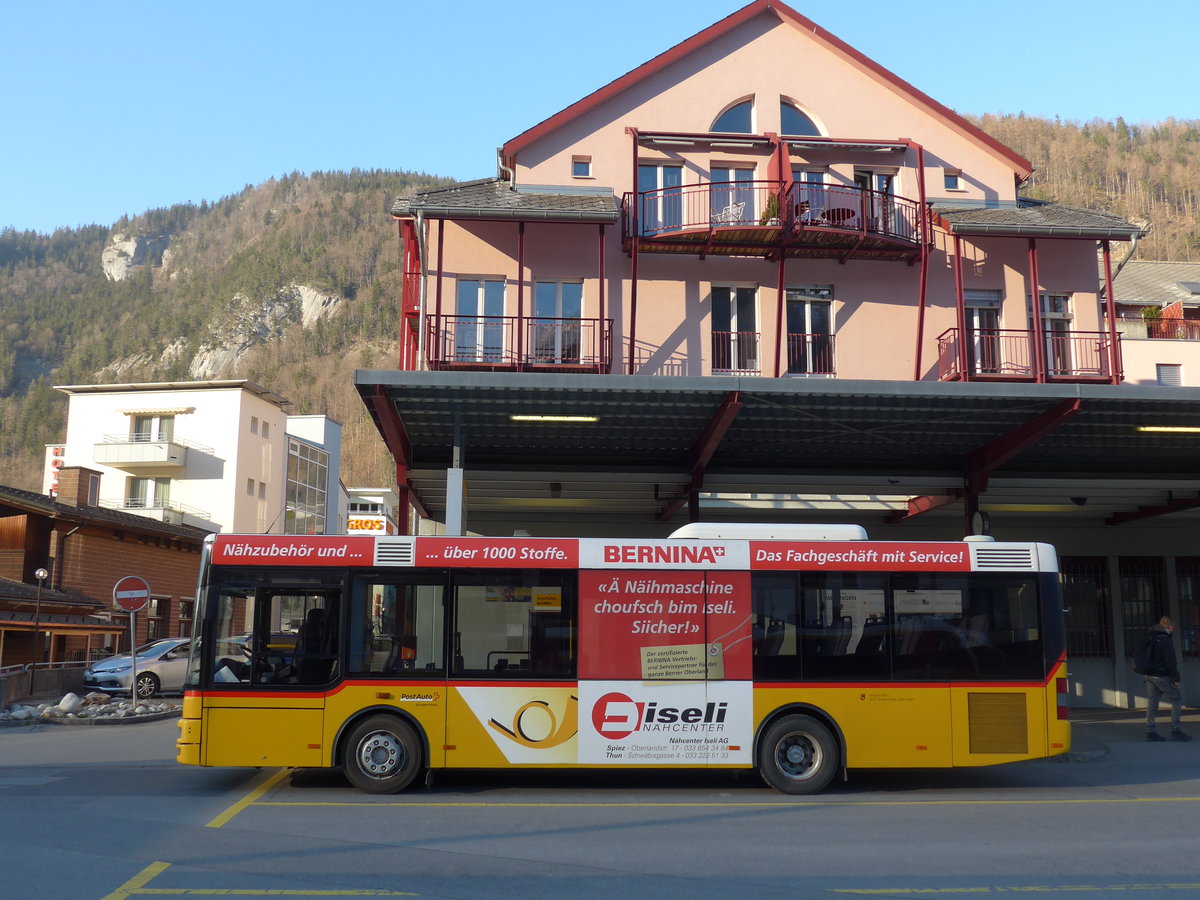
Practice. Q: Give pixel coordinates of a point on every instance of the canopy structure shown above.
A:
(571, 453)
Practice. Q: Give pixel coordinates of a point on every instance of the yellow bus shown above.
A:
(800, 651)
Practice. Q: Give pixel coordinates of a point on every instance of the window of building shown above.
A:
(361, 507)
(984, 347)
(581, 167)
(660, 188)
(266, 428)
(1188, 626)
(249, 487)
(1085, 594)
(187, 612)
(810, 329)
(479, 326)
(735, 330)
(1056, 328)
(731, 195)
(157, 618)
(737, 119)
(792, 121)
(952, 179)
(93, 493)
(308, 477)
(1143, 596)
(254, 424)
(1169, 374)
(148, 493)
(812, 198)
(148, 427)
(555, 330)
(262, 490)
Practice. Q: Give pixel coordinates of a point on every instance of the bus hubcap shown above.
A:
(380, 754)
(796, 757)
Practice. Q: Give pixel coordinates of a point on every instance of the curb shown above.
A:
(108, 720)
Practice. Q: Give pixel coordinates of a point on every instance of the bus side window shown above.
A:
(397, 629)
(515, 624)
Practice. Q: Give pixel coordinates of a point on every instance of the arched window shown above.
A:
(792, 121)
(736, 119)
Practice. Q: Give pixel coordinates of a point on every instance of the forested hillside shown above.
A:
(1148, 174)
(225, 285)
(62, 321)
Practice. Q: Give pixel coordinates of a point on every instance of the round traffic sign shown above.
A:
(131, 593)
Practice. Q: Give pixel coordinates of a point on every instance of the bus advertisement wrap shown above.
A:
(689, 723)
(537, 725)
(666, 626)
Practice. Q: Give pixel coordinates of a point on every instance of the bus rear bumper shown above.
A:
(187, 745)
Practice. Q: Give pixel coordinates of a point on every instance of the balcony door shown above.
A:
(983, 332)
(735, 330)
(479, 326)
(148, 493)
(151, 428)
(660, 189)
(556, 326)
(1056, 333)
(878, 207)
(810, 330)
(731, 196)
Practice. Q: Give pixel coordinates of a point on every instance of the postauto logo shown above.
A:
(616, 716)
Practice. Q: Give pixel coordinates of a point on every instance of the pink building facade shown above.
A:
(760, 200)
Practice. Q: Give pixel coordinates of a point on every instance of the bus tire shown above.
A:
(382, 755)
(798, 755)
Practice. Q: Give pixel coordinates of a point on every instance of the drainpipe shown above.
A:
(422, 247)
(60, 560)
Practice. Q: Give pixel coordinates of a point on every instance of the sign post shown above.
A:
(132, 593)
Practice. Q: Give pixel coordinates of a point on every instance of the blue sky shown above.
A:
(118, 108)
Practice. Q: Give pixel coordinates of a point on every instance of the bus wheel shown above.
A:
(798, 755)
(382, 755)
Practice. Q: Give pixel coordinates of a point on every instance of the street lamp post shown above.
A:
(41, 575)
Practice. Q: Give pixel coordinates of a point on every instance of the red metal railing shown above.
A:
(490, 342)
(1009, 355)
(742, 204)
(810, 354)
(1173, 329)
(735, 353)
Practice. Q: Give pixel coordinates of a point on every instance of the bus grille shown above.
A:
(1008, 559)
(395, 551)
(996, 723)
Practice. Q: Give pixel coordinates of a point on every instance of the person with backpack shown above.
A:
(1155, 659)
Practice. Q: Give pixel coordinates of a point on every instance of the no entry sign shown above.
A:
(131, 593)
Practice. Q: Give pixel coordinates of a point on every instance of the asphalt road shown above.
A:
(104, 812)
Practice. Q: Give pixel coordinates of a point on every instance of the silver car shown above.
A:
(161, 666)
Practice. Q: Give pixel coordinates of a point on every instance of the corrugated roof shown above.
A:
(491, 198)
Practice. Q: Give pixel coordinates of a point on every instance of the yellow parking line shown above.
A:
(762, 804)
(1021, 889)
(137, 881)
(264, 892)
(248, 799)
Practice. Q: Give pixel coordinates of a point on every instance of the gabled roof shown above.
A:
(789, 16)
(1037, 219)
(1153, 283)
(490, 198)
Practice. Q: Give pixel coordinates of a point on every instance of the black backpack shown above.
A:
(1145, 660)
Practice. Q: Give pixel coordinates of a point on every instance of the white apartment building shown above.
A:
(220, 455)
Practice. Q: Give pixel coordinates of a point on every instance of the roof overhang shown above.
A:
(625, 446)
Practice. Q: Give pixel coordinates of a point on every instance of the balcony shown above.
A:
(767, 218)
(997, 354)
(167, 511)
(510, 343)
(141, 451)
(810, 354)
